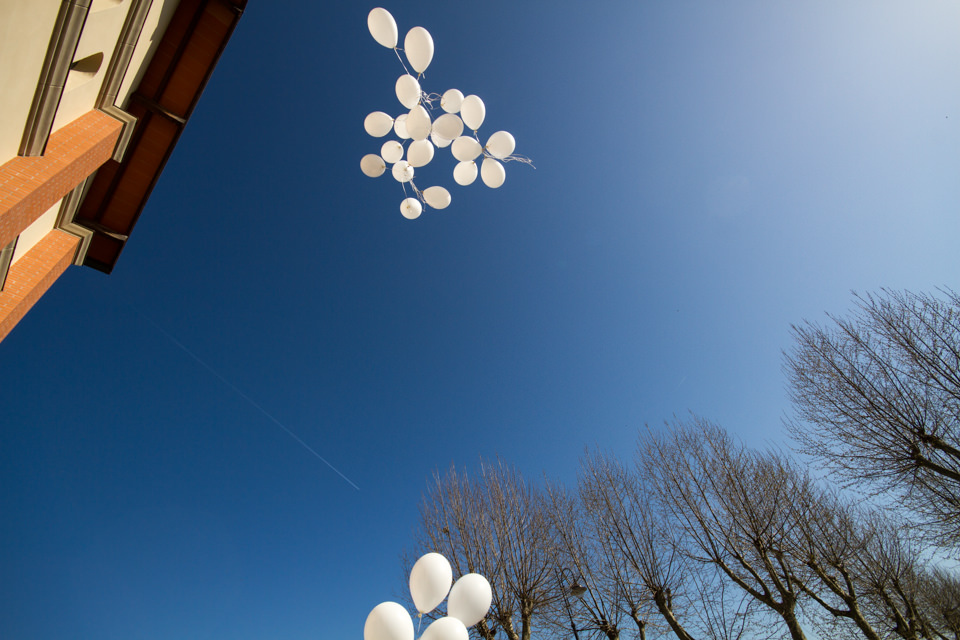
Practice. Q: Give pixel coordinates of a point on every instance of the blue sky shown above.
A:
(706, 174)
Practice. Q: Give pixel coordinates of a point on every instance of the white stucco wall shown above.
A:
(35, 232)
(161, 11)
(100, 35)
(25, 28)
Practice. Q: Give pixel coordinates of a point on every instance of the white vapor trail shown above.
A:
(250, 400)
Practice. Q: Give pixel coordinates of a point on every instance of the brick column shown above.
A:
(31, 276)
(30, 186)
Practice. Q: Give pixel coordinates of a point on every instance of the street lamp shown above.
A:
(576, 589)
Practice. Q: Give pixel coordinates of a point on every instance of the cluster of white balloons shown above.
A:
(430, 581)
(425, 134)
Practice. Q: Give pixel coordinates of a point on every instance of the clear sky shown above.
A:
(707, 173)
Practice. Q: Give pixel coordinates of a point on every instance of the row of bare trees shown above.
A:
(876, 398)
(701, 537)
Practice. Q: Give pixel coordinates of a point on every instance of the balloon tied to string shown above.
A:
(420, 134)
(468, 602)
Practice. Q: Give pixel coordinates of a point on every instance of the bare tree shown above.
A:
(731, 510)
(644, 550)
(863, 566)
(940, 600)
(725, 611)
(896, 578)
(581, 557)
(832, 537)
(494, 524)
(876, 397)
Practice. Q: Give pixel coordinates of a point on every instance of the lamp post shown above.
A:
(576, 589)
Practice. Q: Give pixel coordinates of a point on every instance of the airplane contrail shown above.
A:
(250, 400)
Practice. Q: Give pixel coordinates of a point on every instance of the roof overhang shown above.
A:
(162, 104)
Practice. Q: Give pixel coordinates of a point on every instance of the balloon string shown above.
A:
(429, 99)
(397, 51)
(511, 158)
(517, 158)
(417, 192)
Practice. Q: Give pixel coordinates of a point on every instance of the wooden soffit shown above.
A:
(162, 103)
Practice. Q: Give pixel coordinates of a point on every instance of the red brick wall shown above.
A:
(30, 186)
(31, 276)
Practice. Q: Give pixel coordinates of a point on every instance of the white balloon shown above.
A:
(372, 165)
(410, 208)
(466, 148)
(430, 581)
(473, 112)
(449, 126)
(400, 126)
(492, 173)
(383, 27)
(470, 599)
(419, 154)
(446, 629)
(408, 91)
(391, 151)
(378, 124)
(501, 144)
(388, 621)
(418, 45)
(418, 123)
(439, 141)
(465, 172)
(451, 100)
(402, 171)
(438, 198)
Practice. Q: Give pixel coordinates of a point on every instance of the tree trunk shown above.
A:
(793, 625)
(667, 612)
(641, 628)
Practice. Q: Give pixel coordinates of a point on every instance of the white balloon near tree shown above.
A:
(418, 45)
(420, 153)
(388, 621)
(430, 581)
(446, 628)
(372, 165)
(383, 27)
(470, 599)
